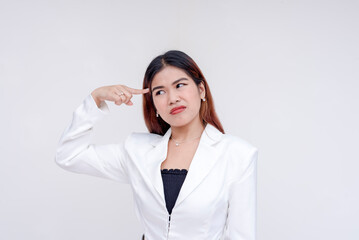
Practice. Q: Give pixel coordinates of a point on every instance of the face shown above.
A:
(172, 88)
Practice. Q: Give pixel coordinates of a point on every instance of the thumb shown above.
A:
(129, 103)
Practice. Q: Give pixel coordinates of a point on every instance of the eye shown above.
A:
(181, 83)
(157, 93)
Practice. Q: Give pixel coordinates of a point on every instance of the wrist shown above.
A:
(97, 99)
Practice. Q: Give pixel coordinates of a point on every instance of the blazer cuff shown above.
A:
(92, 103)
(89, 111)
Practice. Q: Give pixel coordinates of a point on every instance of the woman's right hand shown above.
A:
(113, 93)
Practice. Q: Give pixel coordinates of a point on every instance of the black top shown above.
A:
(172, 182)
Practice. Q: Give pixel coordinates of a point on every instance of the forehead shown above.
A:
(167, 75)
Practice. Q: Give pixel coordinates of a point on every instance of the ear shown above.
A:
(202, 90)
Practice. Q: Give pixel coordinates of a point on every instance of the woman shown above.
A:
(190, 180)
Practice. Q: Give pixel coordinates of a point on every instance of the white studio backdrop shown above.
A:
(283, 74)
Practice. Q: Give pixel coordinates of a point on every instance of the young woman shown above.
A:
(190, 180)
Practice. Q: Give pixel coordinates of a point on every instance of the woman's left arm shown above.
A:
(241, 219)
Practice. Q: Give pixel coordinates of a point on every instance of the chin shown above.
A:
(180, 122)
(176, 124)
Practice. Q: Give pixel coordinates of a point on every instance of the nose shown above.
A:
(173, 97)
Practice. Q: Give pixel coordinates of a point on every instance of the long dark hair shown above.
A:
(180, 60)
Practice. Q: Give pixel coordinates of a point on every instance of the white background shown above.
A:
(283, 74)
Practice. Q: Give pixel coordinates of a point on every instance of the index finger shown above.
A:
(138, 91)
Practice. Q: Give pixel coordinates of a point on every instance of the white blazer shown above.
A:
(217, 199)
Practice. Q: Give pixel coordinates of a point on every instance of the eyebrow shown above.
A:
(172, 83)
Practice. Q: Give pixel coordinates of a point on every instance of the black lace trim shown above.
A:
(174, 171)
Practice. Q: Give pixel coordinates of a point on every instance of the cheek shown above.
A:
(159, 104)
(195, 102)
(195, 97)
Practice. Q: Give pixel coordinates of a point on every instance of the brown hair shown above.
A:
(180, 60)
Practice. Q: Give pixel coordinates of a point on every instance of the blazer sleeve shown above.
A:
(75, 153)
(241, 218)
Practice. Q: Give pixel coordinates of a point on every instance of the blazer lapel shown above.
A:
(153, 162)
(203, 161)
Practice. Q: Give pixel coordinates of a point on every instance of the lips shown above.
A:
(173, 110)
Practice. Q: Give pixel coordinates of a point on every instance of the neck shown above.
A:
(187, 132)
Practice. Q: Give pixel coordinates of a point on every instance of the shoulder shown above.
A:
(238, 144)
(141, 139)
(240, 155)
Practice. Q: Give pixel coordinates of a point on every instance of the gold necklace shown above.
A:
(178, 143)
